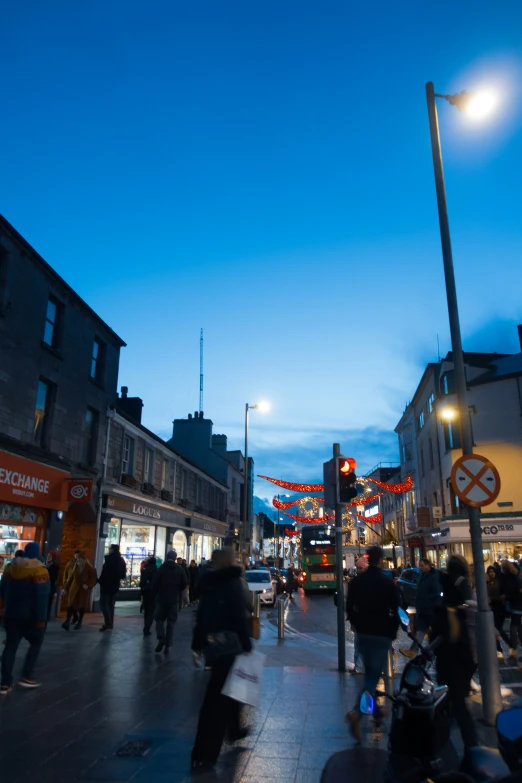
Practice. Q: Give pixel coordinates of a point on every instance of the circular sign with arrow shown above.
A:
(475, 480)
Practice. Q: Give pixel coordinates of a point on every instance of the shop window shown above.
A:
(44, 395)
(98, 359)
(127, 463)
(137, 543)
(113, 533)
(451, 436)
(161, 543)
(148, 469)
(179, 543)
(90, 438)
(53, 318)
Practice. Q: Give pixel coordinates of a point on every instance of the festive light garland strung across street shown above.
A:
(282, 504)
(310, 520)
(397, 489)
(363, 501)
(370, 520)
(292, 533)
(295, 487)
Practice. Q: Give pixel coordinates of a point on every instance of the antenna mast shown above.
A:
(201, 371)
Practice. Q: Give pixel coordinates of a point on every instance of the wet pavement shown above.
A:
(102, 691)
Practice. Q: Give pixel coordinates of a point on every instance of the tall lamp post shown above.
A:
(475, 105)
(262, 406)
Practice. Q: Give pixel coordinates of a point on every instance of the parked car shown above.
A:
(260, 581)
(407, 586)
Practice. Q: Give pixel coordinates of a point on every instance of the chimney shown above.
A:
(519, 327)
(132, 406)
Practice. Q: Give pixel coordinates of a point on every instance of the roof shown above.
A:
(52, 273)
(508, 366)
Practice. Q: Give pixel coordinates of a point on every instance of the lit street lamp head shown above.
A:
(448, 414)
(475, 104)
(264, 407)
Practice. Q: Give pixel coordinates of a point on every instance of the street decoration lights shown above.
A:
(476, 105)
(263, 407)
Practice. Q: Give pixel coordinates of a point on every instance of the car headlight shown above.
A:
(264, 591)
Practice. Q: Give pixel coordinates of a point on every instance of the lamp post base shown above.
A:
(489, 675)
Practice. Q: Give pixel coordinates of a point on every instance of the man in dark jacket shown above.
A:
(24, 589)
(146, 583)
(169, 583)
(113, 571)
(427, 601)
(222, 610)
(373, 610)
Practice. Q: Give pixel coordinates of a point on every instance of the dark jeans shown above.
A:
(50, 603)
(148, 612)
(373, 650)
(516, 630)
(499, 616)
(218, 714)
(424, 621)
(107, 601)
(463, 717)
(16, 630)
(165, 612)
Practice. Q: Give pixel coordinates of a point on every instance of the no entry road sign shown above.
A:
(475, 480)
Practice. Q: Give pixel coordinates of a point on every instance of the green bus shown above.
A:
(318, 557)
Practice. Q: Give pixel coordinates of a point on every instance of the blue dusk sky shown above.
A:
(263, 170)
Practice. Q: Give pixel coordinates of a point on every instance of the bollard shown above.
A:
(257, 606)
(389, 665)
(281, 619)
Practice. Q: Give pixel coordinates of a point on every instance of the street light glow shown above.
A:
(480, 104)
(448, 414)
(264, 407)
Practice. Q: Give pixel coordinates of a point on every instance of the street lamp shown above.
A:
(263, 407)
(477, 105)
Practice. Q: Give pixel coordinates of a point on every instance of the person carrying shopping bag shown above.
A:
(222, 632)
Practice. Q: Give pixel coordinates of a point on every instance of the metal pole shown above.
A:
(257, 606)
(485, 629)
(245, 498)
(281, 618)
(341, 628)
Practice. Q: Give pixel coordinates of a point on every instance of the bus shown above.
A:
(318, 557)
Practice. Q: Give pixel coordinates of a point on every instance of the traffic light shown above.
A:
(346, 479)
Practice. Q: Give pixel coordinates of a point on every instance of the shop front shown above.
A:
(29, 494)
(501, 539)
(144, 529)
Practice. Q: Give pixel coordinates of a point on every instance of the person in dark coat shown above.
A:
(495, 585)
(454, 650)
(193, 581)
(291, 583)
(512, 590)
(373, 610)
(427, 601)
(169, 583)
(147, 576)
(113, 571)
(222, 608)
(53, 567)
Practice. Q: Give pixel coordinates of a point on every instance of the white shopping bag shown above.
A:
(244, 680)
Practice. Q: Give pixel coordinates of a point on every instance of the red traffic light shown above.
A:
(347, 465)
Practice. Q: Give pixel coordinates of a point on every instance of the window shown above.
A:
(52, 322)
(42, 411)
(448, 383)
(451, 436)
(423, 468)
(184, 484)
(98, 359)
(421, 420)
(430, 446)
(198, 490)
(431, 400)
(164, 473)
(127, 463)
(148, 469)
(90, 440)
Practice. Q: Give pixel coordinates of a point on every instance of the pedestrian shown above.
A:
(291, 583)
(82, 579)
(24, 590)
(222, 610)
(494, 583)
(361, 566)
(147, 575)
(183, 596)
(113, 571)
(427, 601)
(169, 582)
(373, 610)
(53, 567)
(66, 574)
(512, 595)
(193, 581)
(454, 650)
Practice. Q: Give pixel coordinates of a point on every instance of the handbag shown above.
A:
(243, 683)
(220, 644)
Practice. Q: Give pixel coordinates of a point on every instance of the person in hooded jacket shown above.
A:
(168, 585)
(148, 573)
(113, 571)
(222, 609)
(53, 567)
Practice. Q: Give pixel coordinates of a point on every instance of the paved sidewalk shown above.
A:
(100, 691)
